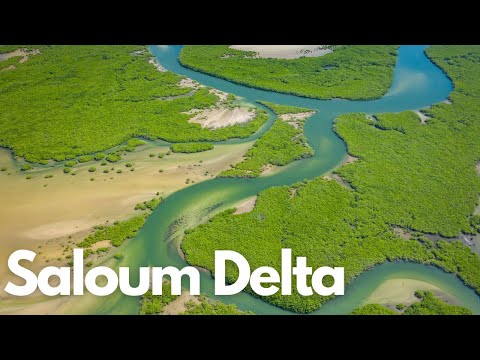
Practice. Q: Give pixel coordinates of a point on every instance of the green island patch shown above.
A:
(155, 304)
(8, 63)
(191, 147)
(209, 307)
(350, 72)
(282, 144)
(428, 305)
(71, 101)
(334, 225)
(120, 230)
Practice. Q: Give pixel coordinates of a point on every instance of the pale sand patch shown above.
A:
(101, 244)
(270, 169)
(404, 234)
(338, 179)
(401, 291)
(189, 83)
(157, 65)
(11, 67)
(284, 51)
(219, 118)
(19, 52)
(178, 305)
(221, 95)
(59, 228)
(296, 119)
(246, 206)
(422, 116)
(43, 306)
(65, 207)
(298, 116)
(448, 102)
(349, 159)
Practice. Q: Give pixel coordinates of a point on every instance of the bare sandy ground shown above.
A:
(155, 63)
(189, 83)
(295, 119)
(222, 117)
(349, 159)
(423, 118)
(404, 234)
(19, 52)
(51, 215)
(401, 291)
(178, 305)
(338, 179)
(44, 306)
(246, 206)
(284, 51)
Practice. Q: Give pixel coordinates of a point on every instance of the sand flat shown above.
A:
(284, 51)
(402, 291)
(178, 305)
(50, 218)
(246, 206)
(222, 117)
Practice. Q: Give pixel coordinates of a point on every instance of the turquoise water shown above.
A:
(417, 83)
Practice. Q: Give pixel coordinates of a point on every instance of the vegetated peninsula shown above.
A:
(349, 72)
(282, 144)
(184, 304)
(428, 305)
(409, 174)
(68, 101)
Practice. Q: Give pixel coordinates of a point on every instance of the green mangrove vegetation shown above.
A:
(116, 233)
(350, 72)
(190, 147)
(121, 230)
(413, 175)
(154, 304)
(70, 101)
(209, 307)
(6, 64)
(428, 305)
(374, 309)
(284, 109)
(149, 205)
(9, 48)
(420, 177)
(280, 145)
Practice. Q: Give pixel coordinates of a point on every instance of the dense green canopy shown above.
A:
(350, 72)
(409, 175)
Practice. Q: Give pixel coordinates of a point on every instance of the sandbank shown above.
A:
(222, 117)
(284, 51)
(157, 65)
(296, 119)
(401, 291)
(246, 206)
(48, 219)
(178, 305)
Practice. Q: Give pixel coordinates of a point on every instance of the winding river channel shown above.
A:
(417, 83)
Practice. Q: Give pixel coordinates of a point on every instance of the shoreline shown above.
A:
(72, 215)
(284, 51)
